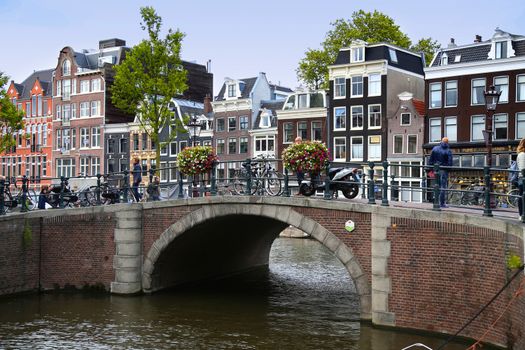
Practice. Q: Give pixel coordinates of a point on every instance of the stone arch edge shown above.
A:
(282, 213)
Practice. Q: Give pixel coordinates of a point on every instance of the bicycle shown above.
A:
(11, 201)
(263, 177)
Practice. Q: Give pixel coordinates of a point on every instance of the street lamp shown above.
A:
(491, 101)
(194, 128)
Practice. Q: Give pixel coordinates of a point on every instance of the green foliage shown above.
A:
(513, 262)
(196, 160)
(10, 117)
(307, 156)
(428, 47)
(150, 75)
(27, 237)
(372, 27)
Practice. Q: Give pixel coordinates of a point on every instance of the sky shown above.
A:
(241, 38)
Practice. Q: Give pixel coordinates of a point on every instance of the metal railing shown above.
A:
(486, 188)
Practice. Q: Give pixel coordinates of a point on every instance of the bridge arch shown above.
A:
(272, 220)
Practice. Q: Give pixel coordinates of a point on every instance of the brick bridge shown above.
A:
(412, 268)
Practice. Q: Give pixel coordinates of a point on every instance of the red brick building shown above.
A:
(31, 155)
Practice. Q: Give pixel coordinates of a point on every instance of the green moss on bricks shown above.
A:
(27, 237)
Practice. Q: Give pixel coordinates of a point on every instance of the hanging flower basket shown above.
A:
(307, 156)
(196, 160)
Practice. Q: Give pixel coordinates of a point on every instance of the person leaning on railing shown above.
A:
(442, 156)
(520, 160)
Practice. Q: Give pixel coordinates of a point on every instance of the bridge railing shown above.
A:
(480, 187)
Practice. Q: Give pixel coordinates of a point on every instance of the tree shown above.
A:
(372, 27)
(428, 47)
(149, 76)
(11, 119)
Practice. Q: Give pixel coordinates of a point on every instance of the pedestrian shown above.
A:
(137, 178)
(442, 156)
(299, 173)
(520, 160)
(153, 189)
(42, 197)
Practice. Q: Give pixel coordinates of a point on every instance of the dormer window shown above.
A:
(232, 90)
(457, 59)
(444, 59)
(501, 49)
(393, 55)
(357, 54)
(66, 67)
(265, 120)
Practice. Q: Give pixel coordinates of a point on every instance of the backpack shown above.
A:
(513, 173)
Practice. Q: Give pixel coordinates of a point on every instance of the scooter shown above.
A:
(345, 180)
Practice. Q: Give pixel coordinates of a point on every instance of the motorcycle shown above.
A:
(345, 180)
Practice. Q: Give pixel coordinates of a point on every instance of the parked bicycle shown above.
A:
(262, 176)
(11, 201)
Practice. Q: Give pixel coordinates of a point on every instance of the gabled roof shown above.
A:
(44, 76)
(280, 88)
(245, 92)
(273, 107)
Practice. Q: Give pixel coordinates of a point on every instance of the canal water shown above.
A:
(303, 300)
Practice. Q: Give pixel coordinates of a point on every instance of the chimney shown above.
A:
(478, 39)
(207, 104)
(452, 43)
(208, 66)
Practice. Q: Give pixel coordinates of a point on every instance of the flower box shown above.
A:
(307, 156)
(196, 160)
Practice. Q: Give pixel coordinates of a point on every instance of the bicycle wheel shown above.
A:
(240, 183)
(8, 202)
(273, 183)
(513, 198)
(31, 200)
(454, 197)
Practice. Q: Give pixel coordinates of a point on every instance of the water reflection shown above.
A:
(304, 300)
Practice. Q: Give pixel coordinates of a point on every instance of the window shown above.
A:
(451, 128)
(123, 146)
(66, 68)
(520, 125)
(406, 119)
(500, 127)
(243, 122)
(477, 127)
(33, 106)
(317, 131)
(357, 54)
(264, 122)
(58, 140)
(303, 101)
(135, 142)
(357, 117)
(435, 129)
(58, 113)
(357, 148)
(45, 109)
(478, 90)
(339, 149)
(182, 145)
(232, 146)
(374, 116)
(84, 109)
(264, 143)
(73, 110)
(65, 167)
(44, 135)
(59, 88)
(412, 144)
(84, 166)
(232, 123)
(451, 93)
(357, 86)
(66, 89)
(123, 164)
(95, 84)
(84, 86)
(173, 148)
(435, 95)
(220, 124)
(95, 137)
(340, 118)
(444, 59)
(393, 55)
(111, 168)
(374, 147)
(374, 84)
(501, 49)
(95, 108)
(144, 141)
(220, 146)
(398, 144)
(340, 87)
(243, 145)
(288, 133)
(66, 113)
(302, 130)
(520, 88)
(66, 139)
(84, 137)
(502, 85)
(232, 90)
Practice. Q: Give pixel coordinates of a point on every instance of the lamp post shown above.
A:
(194, 128)
(491, 101)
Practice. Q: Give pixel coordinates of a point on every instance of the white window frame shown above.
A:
(408, 143)
(498, 89)
(66, 68)
(494, 125)
(285, 133)
(357, 54)
(430, 91)
(376, 84)
(339, 88)
(95, 136)
(518, 83)
(447, 119)
(84, 86)
(447, 83)
(520, 119)
(398, 136)
(370, 116)
(369, 147)
(352, 147)
(343, 145)
(472, 91)
(409, 119)
(362, 83)
(352, 118)
(472, 126)
(312, 130)
(343, 119)
(430, 126)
